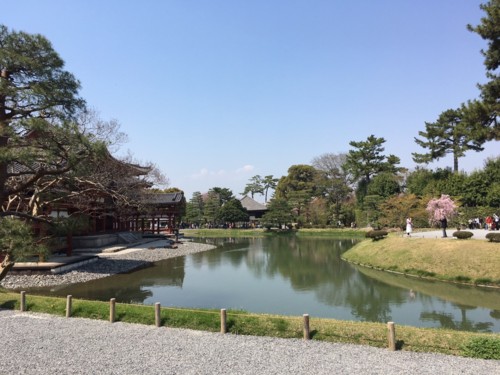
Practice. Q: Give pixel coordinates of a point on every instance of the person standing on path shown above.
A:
(444, 225)
(409, 226)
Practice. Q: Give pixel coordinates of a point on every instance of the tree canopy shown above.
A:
(489, 30)
(38, 99)
(366, 159)
(451, 133)
(232, 212)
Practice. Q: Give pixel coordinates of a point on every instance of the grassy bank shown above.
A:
(465, 261)
(242, 323)
(334, 233)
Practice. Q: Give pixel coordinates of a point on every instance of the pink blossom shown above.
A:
(441, 207)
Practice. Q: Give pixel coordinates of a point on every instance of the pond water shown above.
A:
(293, 276)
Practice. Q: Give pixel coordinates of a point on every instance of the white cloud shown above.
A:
(205, 173)
(245, 168)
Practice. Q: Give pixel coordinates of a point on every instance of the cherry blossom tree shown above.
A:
(439, 207)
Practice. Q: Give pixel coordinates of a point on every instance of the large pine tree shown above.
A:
(489, 30)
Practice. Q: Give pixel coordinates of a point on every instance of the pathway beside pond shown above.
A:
(45, 344)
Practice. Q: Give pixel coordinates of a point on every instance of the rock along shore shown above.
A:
(106, 265)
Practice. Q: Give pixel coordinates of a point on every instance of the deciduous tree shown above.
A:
(441, 207)
(336, 180)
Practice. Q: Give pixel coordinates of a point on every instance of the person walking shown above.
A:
(444, 225)
(409, 226)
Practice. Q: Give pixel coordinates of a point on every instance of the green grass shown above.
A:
(243, 323)
(469, 262)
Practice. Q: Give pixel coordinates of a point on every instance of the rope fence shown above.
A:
(224, 327)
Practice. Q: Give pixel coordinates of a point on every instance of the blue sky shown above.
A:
(215, 92)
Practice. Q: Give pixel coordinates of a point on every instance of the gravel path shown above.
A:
(44, 344)
(107, 265)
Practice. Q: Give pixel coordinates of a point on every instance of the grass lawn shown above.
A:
(468, 261)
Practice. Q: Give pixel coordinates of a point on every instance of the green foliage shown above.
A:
(462, 234)
(17, 240)
(451, 133)
(482, 347)
(493, 237)
(367, 160)
(299, 187)
(384, 184)
(232, 212)
(395, 210)
(36, 80)
(278, 214)
(194, 209)
(69, 225)
(376, 235)
(212, 205)
(489, 31)
(418, 181)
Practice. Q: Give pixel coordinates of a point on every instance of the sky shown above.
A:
(216, 92)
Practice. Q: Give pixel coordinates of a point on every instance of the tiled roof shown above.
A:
(163, 198)
(252, 205)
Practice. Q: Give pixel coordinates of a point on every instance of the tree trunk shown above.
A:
(455, 163)
(3, 141)
(6, 266)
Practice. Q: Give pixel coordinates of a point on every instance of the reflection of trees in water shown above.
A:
(309, 265)
(232, 250)
(446, 320)
(316, 265)
(131, 287)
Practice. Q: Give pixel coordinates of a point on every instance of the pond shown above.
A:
(290, 275)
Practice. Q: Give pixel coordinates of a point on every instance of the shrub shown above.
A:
(493, 237)
(482, 347)
(376, 235)
(462, 234)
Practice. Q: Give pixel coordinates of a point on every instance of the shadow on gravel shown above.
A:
(400, 344)
(8, 305)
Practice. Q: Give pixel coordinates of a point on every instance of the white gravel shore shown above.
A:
(43, 344)
(107, 265)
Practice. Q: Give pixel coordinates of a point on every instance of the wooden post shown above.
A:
(307, 331)
(158, 314)
(68, 305)
(391, 336)
(223, 320)
(112, 310)
(23, 301)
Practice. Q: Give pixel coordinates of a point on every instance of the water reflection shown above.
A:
(292, 275)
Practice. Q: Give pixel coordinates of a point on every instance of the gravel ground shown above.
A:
(107, 265)
(44, 344)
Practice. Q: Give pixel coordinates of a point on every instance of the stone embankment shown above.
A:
(106, 265)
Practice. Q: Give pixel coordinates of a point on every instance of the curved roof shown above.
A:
(252, 205)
